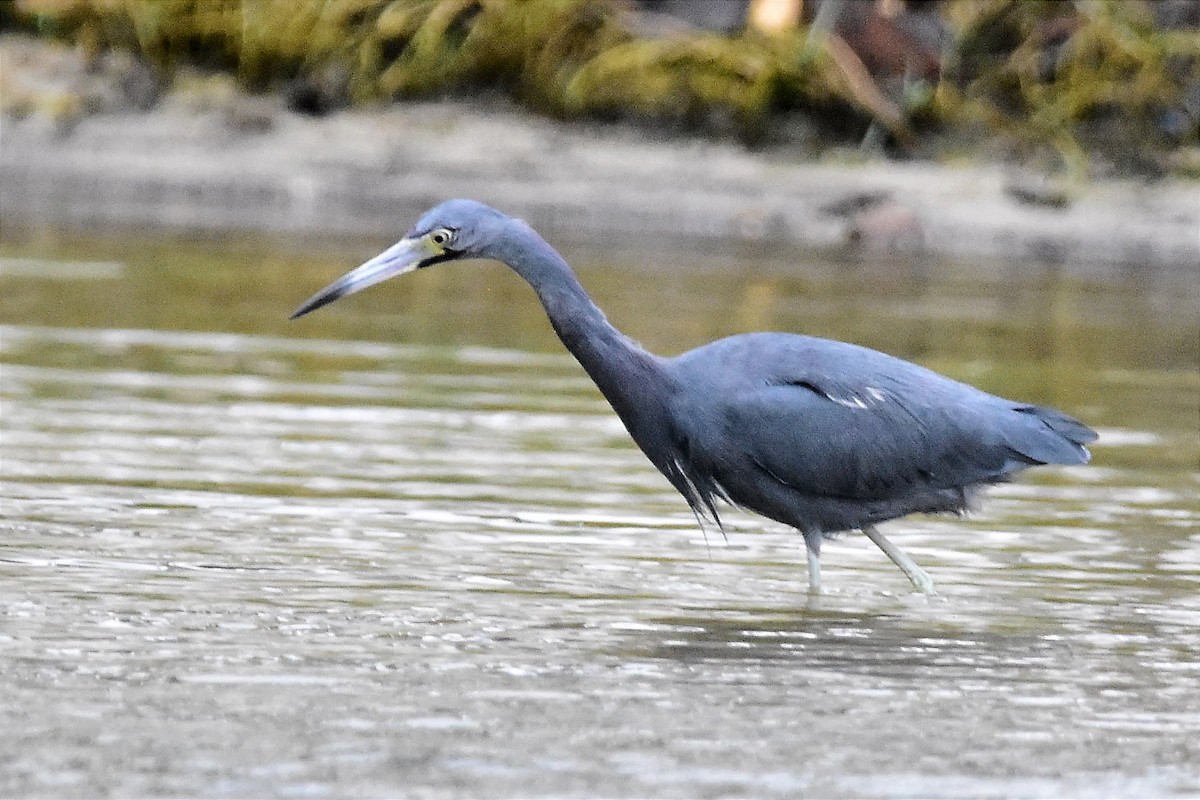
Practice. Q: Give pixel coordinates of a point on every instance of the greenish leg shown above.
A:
(814, 571)
(921, 581)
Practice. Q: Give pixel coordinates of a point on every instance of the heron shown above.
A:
(820, 435)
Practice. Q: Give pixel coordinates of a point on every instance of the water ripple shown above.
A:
(436, 562)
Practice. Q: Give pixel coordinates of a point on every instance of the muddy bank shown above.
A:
(247, 163)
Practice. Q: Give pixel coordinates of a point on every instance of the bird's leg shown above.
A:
(812, 544)
(921, 581)
(814, 573)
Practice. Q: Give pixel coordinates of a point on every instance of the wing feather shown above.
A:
(861, 445)
(834, 420)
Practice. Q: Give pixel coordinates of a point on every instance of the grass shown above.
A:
(1080, 84)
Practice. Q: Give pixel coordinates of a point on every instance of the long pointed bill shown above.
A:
(404, 256)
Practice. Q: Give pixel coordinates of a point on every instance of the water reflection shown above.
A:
(415, 549)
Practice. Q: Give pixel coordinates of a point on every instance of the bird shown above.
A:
(823, 436)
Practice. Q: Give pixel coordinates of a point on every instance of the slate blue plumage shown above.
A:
(820, 435)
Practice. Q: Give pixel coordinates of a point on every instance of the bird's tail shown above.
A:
(1048, 436)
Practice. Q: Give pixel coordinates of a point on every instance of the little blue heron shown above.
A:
(820, 435)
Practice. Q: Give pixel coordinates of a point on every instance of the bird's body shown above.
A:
(820, 435)
(846, 436)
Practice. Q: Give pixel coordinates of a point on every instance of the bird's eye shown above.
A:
(441, 237)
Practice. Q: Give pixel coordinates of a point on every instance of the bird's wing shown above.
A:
(833, 437)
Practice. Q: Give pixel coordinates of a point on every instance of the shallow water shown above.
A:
(401, 547)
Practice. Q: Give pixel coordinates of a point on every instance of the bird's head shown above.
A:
(453, 229)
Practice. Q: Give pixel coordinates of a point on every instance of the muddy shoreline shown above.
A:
(246, 163)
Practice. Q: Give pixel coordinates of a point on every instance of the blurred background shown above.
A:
(402, 546)
(1108, 87)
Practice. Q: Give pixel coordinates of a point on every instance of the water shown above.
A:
(401, 547)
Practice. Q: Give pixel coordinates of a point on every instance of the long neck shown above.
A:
(633, 380)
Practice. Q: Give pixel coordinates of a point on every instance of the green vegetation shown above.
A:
(1099, 78)
(1087, 82)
